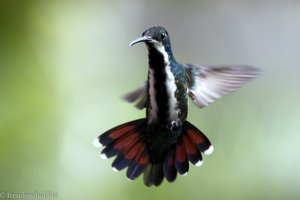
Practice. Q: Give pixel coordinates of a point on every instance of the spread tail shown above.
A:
(130, 144)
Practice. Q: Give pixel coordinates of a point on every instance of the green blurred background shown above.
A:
(65, 64)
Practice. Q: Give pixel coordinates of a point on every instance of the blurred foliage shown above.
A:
(29, 120)
(64, 65)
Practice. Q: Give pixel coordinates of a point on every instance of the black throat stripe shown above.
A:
(157, 64)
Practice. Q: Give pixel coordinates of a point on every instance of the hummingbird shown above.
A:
(162, 144)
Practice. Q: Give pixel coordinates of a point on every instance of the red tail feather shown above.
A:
(181, 162)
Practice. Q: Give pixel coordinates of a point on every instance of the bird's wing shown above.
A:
(139, 96)
(207, 84)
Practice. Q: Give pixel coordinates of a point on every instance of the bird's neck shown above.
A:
(162, 88)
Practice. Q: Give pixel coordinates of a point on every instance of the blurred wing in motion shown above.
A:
(139, 95)
(207, 84)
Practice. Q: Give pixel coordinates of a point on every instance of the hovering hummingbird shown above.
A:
(164, 142)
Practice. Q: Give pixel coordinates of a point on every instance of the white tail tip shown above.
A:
(103, 156)
(186, 173)
(115, 169)
(209, 150)
(96, 143)
(199, 163)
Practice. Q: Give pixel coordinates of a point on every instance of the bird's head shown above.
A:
(154, 37)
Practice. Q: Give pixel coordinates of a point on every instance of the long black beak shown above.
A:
(140, 39)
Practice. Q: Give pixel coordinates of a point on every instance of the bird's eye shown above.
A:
(163, 36)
